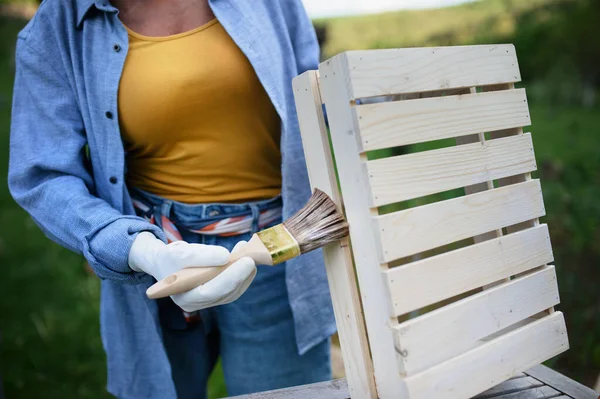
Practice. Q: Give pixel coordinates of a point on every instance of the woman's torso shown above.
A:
(84, 46)
(198, 126)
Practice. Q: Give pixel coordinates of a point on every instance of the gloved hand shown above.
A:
(150, 255)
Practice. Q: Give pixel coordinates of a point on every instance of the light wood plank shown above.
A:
(430, 280)
(410, 231)
(399, 123)
(562, 383)
(456, 328)
(353, 183)
(493, 362)
(338, 259)
(416, 175)
(336, 389)
(510, 386)
(410, 70)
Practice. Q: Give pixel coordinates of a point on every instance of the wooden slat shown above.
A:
(353, 183)
(493, 362)
(430, 280)
(398, 71)
(456, 328)
(416, 175)
(399, 123)
(520, 375)
(541, 392)
(336, 389)
(510, 386)
(562, 383)
(338, 259)
(411, 231)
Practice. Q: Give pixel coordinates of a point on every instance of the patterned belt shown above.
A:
(226, 227)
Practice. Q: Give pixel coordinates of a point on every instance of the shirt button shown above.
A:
(113, 180)
(116, 47)
(109, 114)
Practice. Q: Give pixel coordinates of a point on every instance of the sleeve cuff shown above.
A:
(107, 249)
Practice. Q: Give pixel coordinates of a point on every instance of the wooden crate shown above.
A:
(442, 320)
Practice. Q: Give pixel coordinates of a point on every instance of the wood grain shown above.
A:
(416, 175)
(338, 259)
(437, 336)
(430, 280)
(409, 70)
(336, 389)
(494, 361)
(376, 304)
(510, 386)
(562, 383)
(398, 123)
(540, 392)
(419, 229)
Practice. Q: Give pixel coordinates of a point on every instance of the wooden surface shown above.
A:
(465, 323)
(411, 70)
(416, 175)
(464, 269)
(539, 382)
(336, 389)
(492, 362)
(410, 231)
(398, 123)
(338, 258)
(562, 383)
(376, 304)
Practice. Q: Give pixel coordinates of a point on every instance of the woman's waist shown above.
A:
(188, 194)
(210, 217)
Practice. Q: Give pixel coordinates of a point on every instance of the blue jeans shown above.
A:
(254, 336)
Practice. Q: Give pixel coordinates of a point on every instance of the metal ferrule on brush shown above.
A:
(280, 243)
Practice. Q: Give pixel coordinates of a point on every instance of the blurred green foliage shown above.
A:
(437, 27)
(49, 310)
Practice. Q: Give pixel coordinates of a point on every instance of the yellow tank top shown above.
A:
(196, 123)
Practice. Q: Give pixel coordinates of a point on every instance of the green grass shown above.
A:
(464, 23)
(49, 307)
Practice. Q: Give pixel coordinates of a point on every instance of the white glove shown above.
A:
(150, 255)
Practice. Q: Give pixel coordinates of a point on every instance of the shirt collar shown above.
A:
(83, 6)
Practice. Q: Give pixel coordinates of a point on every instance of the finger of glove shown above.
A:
(239, 291)
(239, 246)
(230, 279)
(191, 303)
(181, 254)
(220, 287)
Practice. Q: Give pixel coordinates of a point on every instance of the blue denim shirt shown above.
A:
(69, 61)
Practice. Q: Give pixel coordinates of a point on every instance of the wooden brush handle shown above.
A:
(192, 277)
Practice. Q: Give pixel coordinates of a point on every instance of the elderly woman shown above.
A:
(152, 135)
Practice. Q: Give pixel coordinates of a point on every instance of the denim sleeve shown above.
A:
(303, 36)
(47, 174)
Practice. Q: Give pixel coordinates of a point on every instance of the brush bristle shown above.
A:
(318, 223)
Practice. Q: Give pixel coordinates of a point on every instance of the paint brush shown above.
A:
(317, 224)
